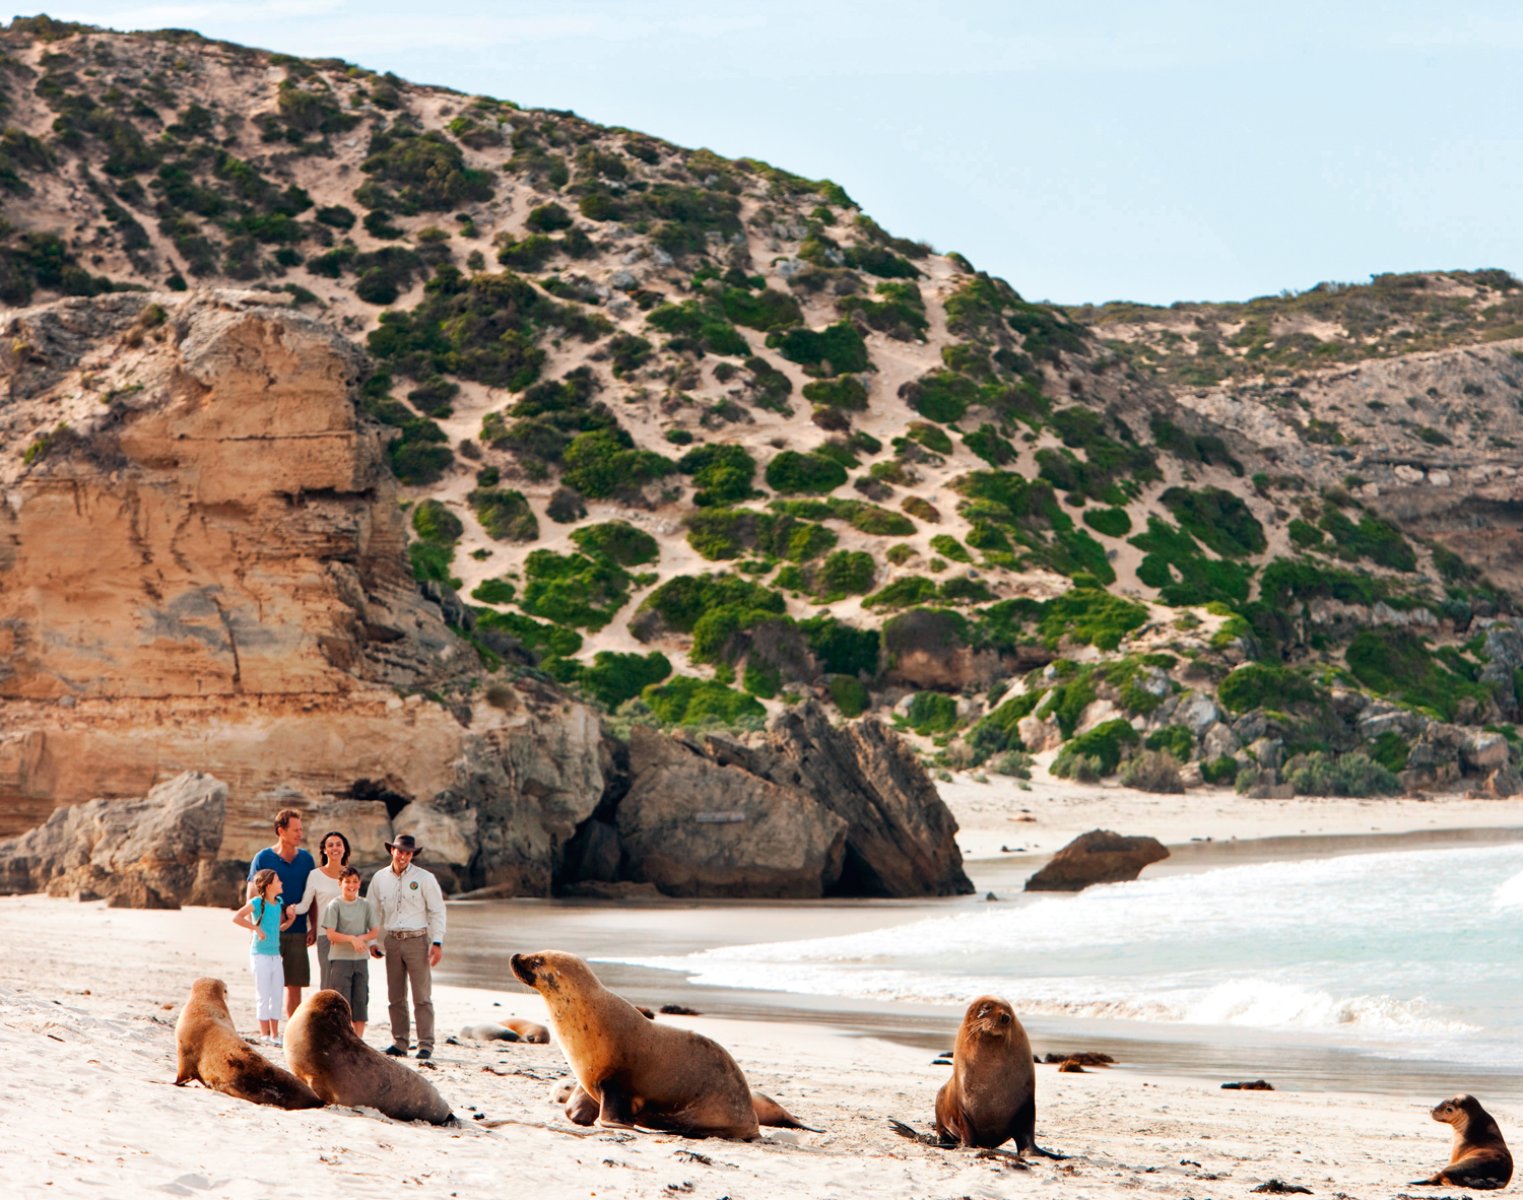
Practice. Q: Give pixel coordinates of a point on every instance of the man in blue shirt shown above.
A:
(293, 864)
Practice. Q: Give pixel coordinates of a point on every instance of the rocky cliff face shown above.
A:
(202, 565)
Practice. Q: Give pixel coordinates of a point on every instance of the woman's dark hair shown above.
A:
(322, 847)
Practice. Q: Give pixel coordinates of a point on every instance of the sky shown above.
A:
(1160, 151)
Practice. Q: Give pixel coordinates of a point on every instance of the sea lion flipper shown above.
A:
(1037, 1150)
(909, 1131)
(581, 1109)
(616, 1108)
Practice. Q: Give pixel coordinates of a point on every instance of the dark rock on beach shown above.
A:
(1098, 856)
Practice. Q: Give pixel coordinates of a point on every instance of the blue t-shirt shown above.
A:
(266, 917)
(293, 877)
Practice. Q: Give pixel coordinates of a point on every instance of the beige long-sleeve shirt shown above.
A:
(411, 900)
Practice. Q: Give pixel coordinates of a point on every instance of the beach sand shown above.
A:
(87, 1016)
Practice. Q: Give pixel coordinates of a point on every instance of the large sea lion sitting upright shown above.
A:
(991, 1097)
(638, 1072)
(213, 1052)
(1479, 1157)
(326, 1053)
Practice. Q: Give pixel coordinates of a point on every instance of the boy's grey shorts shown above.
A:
(350, 978)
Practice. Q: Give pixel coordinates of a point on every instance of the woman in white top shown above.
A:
(323, 886)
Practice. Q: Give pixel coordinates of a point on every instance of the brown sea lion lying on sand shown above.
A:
(1478, 1157)
(638, 1073)
(213, 1052)
(327, 1054)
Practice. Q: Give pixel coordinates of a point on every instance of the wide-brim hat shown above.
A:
(404, 842)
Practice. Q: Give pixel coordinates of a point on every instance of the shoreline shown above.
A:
(87, 1033)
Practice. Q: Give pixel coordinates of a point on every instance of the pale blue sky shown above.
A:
(1153, 151)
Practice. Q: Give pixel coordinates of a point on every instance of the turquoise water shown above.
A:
(1414, 955)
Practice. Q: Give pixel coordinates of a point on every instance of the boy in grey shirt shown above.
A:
(352, 925)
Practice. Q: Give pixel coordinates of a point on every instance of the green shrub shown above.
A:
(614, 677)
(573, 589)
(1218, 519)
(505, 515)
(1091, 616)
(812, 473)
(903, 592)
(837, 349)
(494, 591)
(1176, 740)
(922, 509)
(844, 573)
(1320, 774)
(604, 463)
(682, 601)
(997, 732)
(987, 443)
(1372, 539)
(427, 169)
(628, 353)
(548, 218)
(433, 522)
(722, 473)
(688, 701)
(844, 391)
(932, 437)
(619, 542)
(1104, 743)
(1220, 770)
(949, 547)
(1112, 522)
(841, 648)
(931, 713)
(1263, 685)
(849, 695)
(1396, 662)
(766, 310)
(880, 522)
(431, 562)
(699, 327)
(541, 637)
(942, 396)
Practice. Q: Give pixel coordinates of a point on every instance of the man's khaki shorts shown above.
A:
(294, 957)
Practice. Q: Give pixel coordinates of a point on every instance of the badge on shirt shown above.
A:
(414, 885)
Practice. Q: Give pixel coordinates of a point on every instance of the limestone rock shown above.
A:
(1098, 856)
(1197, 713)
(1484, 752)
(145, 853)
(694, 827)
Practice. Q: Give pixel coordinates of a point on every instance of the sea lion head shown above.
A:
(989, 1016)
(547, 971)
(1456, 1109)
(207, 988)
(329, 1010)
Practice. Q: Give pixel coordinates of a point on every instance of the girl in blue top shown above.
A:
(266, 918)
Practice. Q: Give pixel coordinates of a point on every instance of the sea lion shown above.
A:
(527, 1031)
(991, 1096)
(641, 1073)
(1478, 1158)
(324, 1050)
(213, 1052)
(489, 1033)
(582, 1109)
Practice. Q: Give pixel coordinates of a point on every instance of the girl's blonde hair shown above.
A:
(262, 881)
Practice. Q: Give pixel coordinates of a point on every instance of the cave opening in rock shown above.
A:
(376, 789)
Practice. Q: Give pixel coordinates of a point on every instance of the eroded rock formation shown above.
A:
(1098, 856)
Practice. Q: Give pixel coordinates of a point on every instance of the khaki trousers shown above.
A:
(407, 962)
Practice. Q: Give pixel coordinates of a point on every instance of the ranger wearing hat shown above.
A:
(411, 908)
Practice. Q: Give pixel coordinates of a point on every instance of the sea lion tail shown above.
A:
(770, 1112)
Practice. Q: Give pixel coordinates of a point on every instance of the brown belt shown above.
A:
(403, 934)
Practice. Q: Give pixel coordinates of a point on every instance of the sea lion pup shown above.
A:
(1478, 1158)
(991, 1097)
(527, 1031)
(582, 1109)
(489, 1033)
(214, 1053)
(640, 1073)
(327, 1054)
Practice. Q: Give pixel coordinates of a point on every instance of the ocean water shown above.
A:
(1414, 955)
